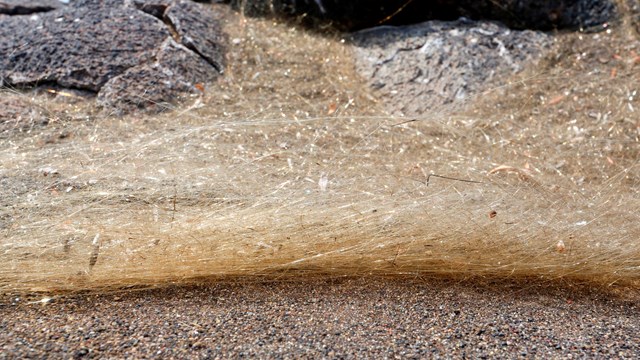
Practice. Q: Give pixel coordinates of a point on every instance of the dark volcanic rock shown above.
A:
(359, 14)
(79, 48)
(22, 7)
(204, 38)
(174, 73)
(155, 8)
(103, 3)
(436, 65)
(93, 43)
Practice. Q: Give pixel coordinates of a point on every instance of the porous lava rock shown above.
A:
(79, 48)
(176, 70)
(203, 37)
(359, 14)
(433, 66)
(116, 49)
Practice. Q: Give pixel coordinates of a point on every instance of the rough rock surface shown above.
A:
(359, 14)
(176, 70)
(105, 45)
(78, 48)
(204, 38)
(435, 65)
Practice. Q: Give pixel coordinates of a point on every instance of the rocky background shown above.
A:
(152, 54)
(436, 65)
(131, 54)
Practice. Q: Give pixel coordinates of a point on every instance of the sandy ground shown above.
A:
(338, 318)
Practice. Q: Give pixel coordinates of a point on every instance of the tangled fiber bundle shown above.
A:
(292, 170)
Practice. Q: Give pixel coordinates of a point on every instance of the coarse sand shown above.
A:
(336, 318)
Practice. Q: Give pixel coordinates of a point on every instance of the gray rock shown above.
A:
(22, 7)
(114, 42)
(437, 65)
(101, 3)
(166, 81)
(155, 8)
(79, 48)
(204, 38)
